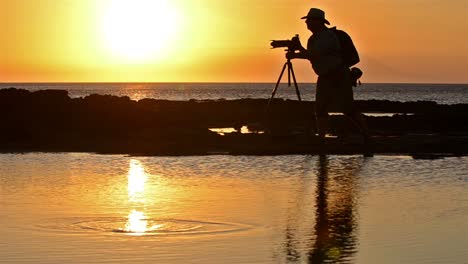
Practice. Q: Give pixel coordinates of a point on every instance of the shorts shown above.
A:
(334, 93)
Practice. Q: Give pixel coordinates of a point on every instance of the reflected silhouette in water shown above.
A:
(332, 237)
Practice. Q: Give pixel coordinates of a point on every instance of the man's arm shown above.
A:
(302, 54)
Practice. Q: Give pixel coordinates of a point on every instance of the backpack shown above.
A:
(356, 73)
(348, 50)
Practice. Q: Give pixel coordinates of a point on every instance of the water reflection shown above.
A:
(136, 182)
(137, 221)
(332, 237)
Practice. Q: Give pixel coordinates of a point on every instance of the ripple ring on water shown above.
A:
(147, 226)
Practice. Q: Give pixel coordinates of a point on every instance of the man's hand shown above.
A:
(302, 54)
(290, 55)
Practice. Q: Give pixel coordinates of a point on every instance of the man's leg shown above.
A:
(322, 100)
(360, 122)
(322, 125)
(349, 107)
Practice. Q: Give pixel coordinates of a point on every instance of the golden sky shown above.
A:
(223, 41)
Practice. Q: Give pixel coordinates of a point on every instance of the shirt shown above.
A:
(324, 50)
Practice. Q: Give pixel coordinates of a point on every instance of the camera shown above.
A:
(291, 44)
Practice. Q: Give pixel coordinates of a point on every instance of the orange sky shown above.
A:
(223, 41)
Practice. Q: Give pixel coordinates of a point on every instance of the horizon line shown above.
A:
(103, 82)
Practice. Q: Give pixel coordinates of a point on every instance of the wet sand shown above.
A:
(51, 121)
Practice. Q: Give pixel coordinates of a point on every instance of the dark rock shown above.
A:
(49, 120)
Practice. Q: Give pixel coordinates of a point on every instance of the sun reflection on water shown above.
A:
(136, 181)
(137, 221)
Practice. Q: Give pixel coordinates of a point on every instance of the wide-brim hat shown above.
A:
(315, 13)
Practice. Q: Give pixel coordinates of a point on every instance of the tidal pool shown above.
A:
(87, 208)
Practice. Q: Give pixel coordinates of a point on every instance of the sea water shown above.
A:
(440, 93)
(87, 208)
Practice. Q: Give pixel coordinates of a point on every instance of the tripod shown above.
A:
(290, 72)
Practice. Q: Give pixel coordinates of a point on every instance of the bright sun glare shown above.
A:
(140, 30)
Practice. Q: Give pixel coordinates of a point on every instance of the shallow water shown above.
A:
(86, 208)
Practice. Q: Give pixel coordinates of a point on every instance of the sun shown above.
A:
(140, 30)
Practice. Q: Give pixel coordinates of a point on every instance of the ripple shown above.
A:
(152, 227)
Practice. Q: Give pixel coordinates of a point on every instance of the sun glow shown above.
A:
(140, 30)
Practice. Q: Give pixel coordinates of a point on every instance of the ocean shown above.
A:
(440, 93)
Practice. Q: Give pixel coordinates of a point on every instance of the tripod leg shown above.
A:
(298, 93)
(276, 86)
(295, 82)
(289, 72)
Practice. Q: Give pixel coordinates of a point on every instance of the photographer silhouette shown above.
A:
(334, 83)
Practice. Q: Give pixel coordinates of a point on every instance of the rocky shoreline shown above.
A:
(51, 121)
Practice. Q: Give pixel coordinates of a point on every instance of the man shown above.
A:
(334, 85)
